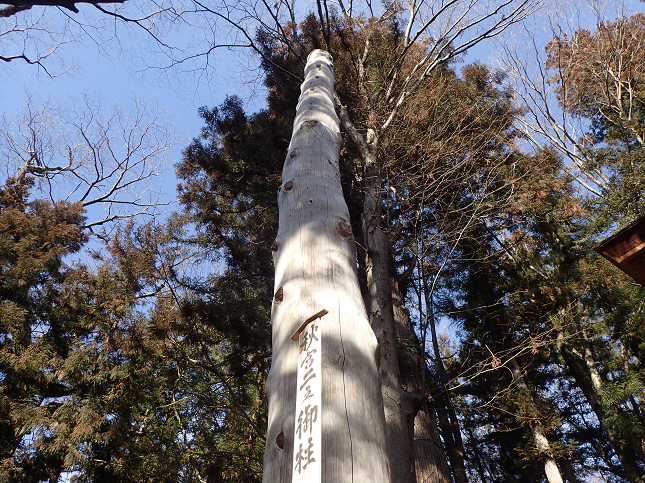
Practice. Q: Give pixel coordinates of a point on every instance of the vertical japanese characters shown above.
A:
(324, 377)
(307, 445)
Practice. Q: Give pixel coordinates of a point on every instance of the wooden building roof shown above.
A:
(626, 250)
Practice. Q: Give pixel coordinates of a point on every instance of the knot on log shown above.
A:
(279, 295)
(310, 124)
(344, 229)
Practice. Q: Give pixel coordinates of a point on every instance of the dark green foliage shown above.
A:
(533, 289)
(35, 340)
(230, 180)
(147, 361)
(102, 373)
(78, 381)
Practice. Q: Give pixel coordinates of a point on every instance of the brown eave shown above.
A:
(626, 250)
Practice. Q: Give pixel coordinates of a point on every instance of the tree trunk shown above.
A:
(450, 426)
(428, 458)
(316, 282)
(568, 471)
(541, 442)
(398, 404)
(450, 429)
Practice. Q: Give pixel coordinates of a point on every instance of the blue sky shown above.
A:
(111, 73)
(114, 74)
(110, 66)
(114, 83)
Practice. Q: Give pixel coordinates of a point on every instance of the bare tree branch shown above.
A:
(15, 7)
(108, 160)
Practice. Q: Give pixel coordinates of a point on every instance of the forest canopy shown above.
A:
(136, 339)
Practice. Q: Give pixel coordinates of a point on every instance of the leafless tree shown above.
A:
(47, 34)
(432, 33)
(551, 102)
(81, 155)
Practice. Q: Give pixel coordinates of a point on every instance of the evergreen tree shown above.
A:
(226, 182)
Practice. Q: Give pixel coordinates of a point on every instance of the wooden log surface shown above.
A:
(315, 271)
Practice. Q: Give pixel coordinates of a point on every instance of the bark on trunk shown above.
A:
(450, 426)
(568, 471)
(315, 275)
(450, 429)
(429, 458)
(398, 404)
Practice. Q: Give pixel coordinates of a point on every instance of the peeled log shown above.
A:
(315, 273)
